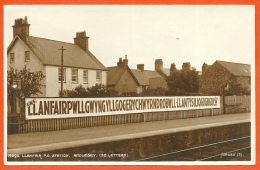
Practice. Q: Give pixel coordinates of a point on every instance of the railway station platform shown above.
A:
(31, 141)
(127, 142)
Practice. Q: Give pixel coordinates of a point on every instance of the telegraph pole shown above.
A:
(225, 88)
(62, 49)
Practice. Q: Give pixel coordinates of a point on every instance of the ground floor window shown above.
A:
(85, 76)
(98, 77)
(74, 75)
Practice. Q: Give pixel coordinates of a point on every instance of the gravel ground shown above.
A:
(44, 138)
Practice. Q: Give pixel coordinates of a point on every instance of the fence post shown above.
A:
(246, 103)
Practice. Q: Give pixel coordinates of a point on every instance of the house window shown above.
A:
(74, 75)
(11, 57)
(27, 55)
(64, 74)
(98, 77)
(85, 76)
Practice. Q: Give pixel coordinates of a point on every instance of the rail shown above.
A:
(207, 152)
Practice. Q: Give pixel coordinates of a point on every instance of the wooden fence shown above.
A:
(22, 126)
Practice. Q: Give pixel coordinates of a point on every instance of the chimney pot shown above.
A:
(125, 61)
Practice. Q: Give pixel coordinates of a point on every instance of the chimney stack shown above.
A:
(81, 40)
(140, 67)
(204, 68)
(158, 65)
(186, 66)
(125, 61)
(120, 62)
(21, 28)
(172, 69)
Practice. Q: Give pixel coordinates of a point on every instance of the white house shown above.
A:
(40, 54)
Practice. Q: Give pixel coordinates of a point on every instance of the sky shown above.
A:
(173, 33)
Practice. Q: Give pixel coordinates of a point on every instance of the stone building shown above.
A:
(221, 73)
(124, 79)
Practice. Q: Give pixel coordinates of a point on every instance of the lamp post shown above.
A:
(15, 85)
(13, 99)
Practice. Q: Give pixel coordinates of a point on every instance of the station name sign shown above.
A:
(49, 108)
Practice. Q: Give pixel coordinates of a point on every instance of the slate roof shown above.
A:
(114, 74)
(237, 69)
(166, 71)
(142, 78)
(157, 82)
(73, 56)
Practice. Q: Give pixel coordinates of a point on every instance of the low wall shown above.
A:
(133, 149)
(81, 122)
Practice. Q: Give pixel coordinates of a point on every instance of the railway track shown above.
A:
(230, 150)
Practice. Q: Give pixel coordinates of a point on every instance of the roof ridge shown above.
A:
(131, 72)
(53, 40)
(237, 69)
(113, 67)
(140, 70)
(121, 74)
(42, 46)
(232, 62)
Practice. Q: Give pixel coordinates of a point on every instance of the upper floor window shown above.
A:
(11, 57)
(74, 75)
(85, 76)
(64, 74)
(27, 55)
(98, 77)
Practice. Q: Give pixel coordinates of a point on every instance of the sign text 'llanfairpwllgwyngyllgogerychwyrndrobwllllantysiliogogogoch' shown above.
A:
(43, 108)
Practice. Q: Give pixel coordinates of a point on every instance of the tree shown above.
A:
(98, 90)
(30, 83)
(183, 82)
(236, 88)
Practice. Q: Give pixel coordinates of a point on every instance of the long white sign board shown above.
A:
(49, 108)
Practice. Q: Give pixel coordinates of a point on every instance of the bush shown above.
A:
(95, 91)
(154, 92)
(129, 94)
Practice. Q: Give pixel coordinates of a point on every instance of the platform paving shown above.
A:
(42, 141)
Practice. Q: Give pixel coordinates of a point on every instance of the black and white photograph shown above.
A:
(129, 85)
